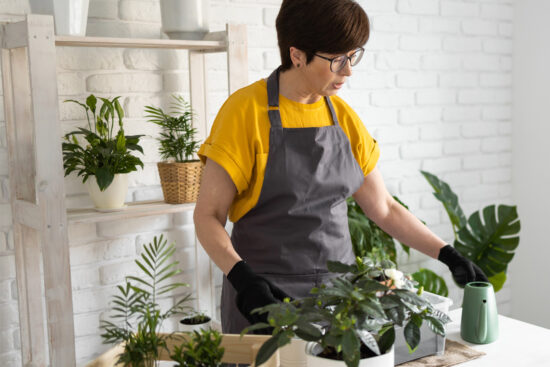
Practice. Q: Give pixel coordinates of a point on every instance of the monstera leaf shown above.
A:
(431, 282)
(449, 200)
(489, 239)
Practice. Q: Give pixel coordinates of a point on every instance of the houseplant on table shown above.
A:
(137, 309)
(203, 350)
(179, 174)
(352, 321)
(105, 155)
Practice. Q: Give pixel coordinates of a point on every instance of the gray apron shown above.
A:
(300, 220)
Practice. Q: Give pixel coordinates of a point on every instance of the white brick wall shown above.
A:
(434, 88)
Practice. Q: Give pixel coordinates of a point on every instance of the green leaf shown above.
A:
(431, 282)
(338, 267)
(435, 325)
(104, 178)
(448, 198)
(350, 345)
(498, 280)
(267, 349)
(412, 335)
(258, 326)
(369, 340)
(490, 238)
(307, 331)
(91, 102)
(386, 340)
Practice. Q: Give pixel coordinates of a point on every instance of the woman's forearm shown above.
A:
(402, 225)
(216, 242)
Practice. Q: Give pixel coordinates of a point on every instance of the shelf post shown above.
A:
(37, 188)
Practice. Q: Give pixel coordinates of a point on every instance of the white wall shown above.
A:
(531, 169)
(434, 88)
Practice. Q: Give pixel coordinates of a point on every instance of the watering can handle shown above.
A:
(482, 322)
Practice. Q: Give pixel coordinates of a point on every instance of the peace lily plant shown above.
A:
(354, 317)
(101, 152)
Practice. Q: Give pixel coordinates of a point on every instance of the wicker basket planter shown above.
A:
(180, 181)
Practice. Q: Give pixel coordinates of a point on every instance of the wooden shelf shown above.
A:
(217, 43)
(134, 210)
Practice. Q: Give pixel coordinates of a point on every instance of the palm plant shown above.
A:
(137, 313)
(177, 137)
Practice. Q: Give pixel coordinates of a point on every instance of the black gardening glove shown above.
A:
(464, 271)
(253, 291)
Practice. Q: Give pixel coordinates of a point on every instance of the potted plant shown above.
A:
(185, 19)
(195, 322)
(137, 310)
(106, 155)
(353, 320)
(179, 174)
(203, 350)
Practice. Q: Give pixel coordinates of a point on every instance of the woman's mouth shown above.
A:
(337, 85)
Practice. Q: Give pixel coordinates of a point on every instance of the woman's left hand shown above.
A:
(464, 270)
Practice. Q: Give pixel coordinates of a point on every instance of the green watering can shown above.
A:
(479, 323)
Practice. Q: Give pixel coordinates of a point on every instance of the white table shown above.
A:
(519, 344)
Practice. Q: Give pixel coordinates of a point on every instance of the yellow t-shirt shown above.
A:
(239, 139)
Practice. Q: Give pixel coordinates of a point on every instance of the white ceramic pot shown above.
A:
(294, 354)
(70, 16)
(185, 19)
(113, 197)
(196, 327)
(384, 360)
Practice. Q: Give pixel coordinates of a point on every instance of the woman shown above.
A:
(282, 157)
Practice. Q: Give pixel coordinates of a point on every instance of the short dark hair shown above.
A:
(331, 26)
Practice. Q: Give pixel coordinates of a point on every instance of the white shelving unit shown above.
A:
(37, 190)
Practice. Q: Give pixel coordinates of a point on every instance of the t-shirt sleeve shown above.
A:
(229, 143)
(364, 147)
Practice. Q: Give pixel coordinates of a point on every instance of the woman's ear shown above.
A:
(298, 57)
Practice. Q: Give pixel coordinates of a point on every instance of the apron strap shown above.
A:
(273, 101)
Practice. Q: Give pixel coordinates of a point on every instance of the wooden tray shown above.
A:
(237, 350)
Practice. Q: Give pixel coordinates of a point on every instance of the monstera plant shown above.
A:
(488, 237)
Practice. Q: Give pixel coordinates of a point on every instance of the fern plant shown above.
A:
(202, 350)
(177, 138)
(137, 314)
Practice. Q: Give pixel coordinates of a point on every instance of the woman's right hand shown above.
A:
(253, 291)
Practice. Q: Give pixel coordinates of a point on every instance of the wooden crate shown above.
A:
(237, 350)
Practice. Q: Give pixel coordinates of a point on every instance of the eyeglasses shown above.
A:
(339, 62)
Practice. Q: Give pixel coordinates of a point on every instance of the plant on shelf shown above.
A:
(102, 152)
(179, 173)
(202, 350)
(138, 315)
(353, 318)
(488, 237)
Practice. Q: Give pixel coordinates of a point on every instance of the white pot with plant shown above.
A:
(179, 173)
(70, 16)
(195, 322)
(352, 321)
(185, 19)
(105, 157)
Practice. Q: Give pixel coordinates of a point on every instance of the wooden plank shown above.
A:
(237, 57)
(134, 210)
(27, 214)
(76, 41)
(32, 324)
(51, 190)
(237, 350)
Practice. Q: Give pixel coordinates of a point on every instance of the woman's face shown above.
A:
(321, 79)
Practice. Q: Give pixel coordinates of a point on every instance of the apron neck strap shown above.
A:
(273, 100)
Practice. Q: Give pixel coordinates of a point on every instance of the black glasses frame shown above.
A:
(331, 59)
